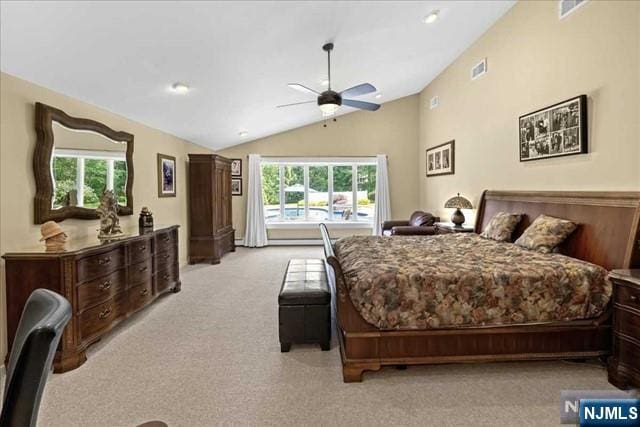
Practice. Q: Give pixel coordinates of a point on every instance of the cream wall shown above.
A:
(535, 60)
(392, 130)
(17, 186)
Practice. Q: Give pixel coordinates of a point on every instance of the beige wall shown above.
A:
(535, 60)
(392, 130)
(17, 187)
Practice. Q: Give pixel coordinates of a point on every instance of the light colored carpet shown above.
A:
(210, 356)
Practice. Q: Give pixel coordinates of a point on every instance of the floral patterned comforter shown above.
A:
(455, 280)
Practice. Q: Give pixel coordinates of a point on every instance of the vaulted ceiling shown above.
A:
(237, 57)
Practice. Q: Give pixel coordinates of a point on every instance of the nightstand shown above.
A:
(624, 363)
(449, 227)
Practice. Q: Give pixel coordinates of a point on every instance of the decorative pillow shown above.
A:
(545, 233)
(501, 226)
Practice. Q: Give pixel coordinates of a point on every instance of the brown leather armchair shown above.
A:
(420, 223)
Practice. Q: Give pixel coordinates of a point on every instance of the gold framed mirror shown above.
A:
(75, 161)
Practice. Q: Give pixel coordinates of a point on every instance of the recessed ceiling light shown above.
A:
(324, 82)
(180, 88)
(431, 17)
(378, 96)
(243, 133)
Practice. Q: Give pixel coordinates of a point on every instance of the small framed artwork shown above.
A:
(236, 186)
(236, 167)
(166, 176)
(558, 130)
(441, 159)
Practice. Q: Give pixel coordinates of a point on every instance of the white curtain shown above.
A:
(383, 198)
(255, 234)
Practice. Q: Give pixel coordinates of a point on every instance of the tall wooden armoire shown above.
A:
(211, 233)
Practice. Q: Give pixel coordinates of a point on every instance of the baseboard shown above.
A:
(290, 242)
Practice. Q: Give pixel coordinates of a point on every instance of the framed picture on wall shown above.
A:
(558, 130)
(236, 167)
(441, 159)
(236, 186)
(166, 176)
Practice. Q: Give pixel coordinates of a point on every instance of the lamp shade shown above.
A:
(458, 202)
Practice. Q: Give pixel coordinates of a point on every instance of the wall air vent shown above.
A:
(435, 101)
(565, 7)
(479, 69)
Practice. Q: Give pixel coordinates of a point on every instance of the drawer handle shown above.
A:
(105, 313)
(106, 285)
(166, 239)
(103, 261)
(143, 269)
(633, 298)
(166, 276)
(167, 256)
(142, 248)
(144, 292)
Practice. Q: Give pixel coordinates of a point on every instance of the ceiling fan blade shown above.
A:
(360, 104)
(362, 89)
(302, 88)
(295, 103)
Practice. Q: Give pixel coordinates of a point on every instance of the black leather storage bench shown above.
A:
(305, 305)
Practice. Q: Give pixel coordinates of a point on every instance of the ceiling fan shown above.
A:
(330, 101)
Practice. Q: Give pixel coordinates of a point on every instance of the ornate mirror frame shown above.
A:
(45, 116)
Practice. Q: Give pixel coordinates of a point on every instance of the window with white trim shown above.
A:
(313, 190)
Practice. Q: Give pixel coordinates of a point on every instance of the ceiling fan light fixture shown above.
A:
(431, 17)
(329, 109)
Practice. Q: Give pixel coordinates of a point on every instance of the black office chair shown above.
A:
(43, 319)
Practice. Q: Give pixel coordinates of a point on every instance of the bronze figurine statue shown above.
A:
(108, 213)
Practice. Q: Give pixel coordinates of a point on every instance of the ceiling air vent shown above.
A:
(435, 101)
(479, 69)
(568, 6)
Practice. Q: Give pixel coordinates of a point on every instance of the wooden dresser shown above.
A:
(104, 282)
(211, 232)
(624, 363)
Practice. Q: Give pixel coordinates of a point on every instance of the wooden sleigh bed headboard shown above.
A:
(609, 230)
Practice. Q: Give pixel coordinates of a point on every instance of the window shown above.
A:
(311, 190)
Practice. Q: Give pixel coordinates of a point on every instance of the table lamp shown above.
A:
(458, 202)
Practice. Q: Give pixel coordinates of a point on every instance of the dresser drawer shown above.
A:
(139, 251)
(166, 241)
(100, 317)
(165, 258)
(627, 323)
(140, 295)
(628, 353)
(140, 272)
(99, 265)
(166, 277)
(626, 295)
(101, 289)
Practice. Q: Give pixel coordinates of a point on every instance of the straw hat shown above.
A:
(50, 229)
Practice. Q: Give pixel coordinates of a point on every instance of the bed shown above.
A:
(467, 317)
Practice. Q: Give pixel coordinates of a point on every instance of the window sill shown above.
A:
(315, 224)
